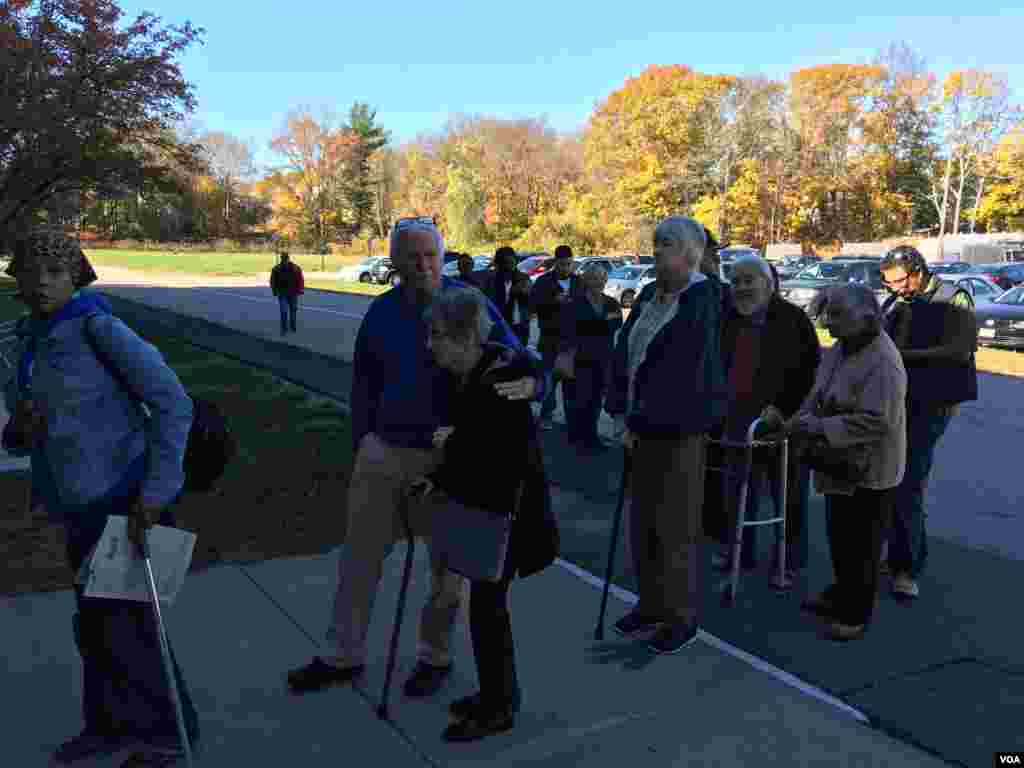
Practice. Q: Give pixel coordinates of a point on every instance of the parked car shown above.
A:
(535, 266)
(803, 289)
(625, 283)
(734, 252)
(1005, 275)
(480, 264)
(982, 290)
(949, 268)
(1001, 322)
(362, 272)
(384, 273)
(610, 263)
(790, 266)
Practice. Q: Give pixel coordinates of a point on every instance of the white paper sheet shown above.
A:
(116, 571)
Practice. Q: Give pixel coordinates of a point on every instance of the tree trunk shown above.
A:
(960, 195)
(977, 202)
(945, 196)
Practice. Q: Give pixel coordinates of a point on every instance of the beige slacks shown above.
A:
(376, 500)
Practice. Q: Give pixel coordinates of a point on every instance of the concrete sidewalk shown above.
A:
(238, 629)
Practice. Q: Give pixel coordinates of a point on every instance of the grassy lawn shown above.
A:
(338, 286)
(210, 263)
(283, 496)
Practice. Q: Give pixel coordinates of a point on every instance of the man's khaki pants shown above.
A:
(376, 500)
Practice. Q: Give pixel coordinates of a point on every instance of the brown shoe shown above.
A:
(844, 632)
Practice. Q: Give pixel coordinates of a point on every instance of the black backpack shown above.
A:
(211, 443)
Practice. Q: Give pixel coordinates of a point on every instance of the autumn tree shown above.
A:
(230, 162)
(82, 92)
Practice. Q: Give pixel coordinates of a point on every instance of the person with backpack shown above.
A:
(94, 453)
(932, 323)
(287, 284)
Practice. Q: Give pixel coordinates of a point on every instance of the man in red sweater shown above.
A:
(287, 284)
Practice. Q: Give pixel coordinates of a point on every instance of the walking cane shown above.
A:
(627, 465)
(165, 653)
(382, 708)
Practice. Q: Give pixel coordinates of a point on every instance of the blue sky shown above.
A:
(418, 63)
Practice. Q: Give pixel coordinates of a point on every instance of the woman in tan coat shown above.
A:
(857, 405)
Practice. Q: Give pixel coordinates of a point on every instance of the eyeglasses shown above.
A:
(896, 284)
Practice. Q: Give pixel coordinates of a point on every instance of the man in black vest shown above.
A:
(932, 323)
(549, 297)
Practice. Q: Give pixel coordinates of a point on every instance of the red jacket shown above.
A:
(287, 282)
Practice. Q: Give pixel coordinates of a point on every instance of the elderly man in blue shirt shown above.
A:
(400, 404)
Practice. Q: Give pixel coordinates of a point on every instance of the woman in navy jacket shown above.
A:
(668, 391)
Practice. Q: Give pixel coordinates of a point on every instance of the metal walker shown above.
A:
(731, 586)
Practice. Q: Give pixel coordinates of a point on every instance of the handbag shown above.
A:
(473, 542)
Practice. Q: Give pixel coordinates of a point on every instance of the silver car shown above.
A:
(982, 290)
(625, 283)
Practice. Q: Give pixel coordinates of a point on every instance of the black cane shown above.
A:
(382, 709)
(627, 463)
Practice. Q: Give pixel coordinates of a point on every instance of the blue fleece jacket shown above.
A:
(98, 443)
(398, 391)
(680, 386)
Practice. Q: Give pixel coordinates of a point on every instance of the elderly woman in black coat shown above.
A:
(459, 325)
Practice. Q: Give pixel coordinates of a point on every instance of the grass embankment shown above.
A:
(338, 286)
(1002, 361)
(212, 263)
(283, 496)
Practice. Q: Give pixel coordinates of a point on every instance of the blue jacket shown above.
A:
(680, 386)
(98, 442)
(398, 391)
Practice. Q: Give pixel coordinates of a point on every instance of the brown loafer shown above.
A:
(845, 632)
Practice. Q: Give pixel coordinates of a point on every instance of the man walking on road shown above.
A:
(932, 323)
(287, 284)
(399, 401)
(549, 298)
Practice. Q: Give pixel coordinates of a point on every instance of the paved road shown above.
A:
(946, 673)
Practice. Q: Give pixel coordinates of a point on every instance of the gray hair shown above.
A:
(862, 300)
(689, 233)
(753, 260)
(460, 310)
(414, 225)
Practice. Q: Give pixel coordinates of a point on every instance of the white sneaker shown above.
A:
(904, 586)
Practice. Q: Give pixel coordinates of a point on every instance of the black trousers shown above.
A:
(855, 525)
(490, 627)
(583, 397)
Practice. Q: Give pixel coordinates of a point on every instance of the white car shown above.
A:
(360, 273)
(625, 283)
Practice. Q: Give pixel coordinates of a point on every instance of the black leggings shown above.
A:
(855, 525)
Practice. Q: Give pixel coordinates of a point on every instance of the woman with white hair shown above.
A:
(667, 393)
(852, 430)
(503, 475)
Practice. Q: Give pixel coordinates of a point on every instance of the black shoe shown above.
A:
(820, 606)
(90, 744)
(479, 726)
(319, 674)
(425, 680)
(465, 707)
(634, 624)
(672, 638)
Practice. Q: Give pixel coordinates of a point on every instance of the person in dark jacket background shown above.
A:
(287, 284)
(509, 290)
(459, 326)
(588, 341)
(668, 392)
(711, 266)
(932, 323)
(770, 353)
(550, 295)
